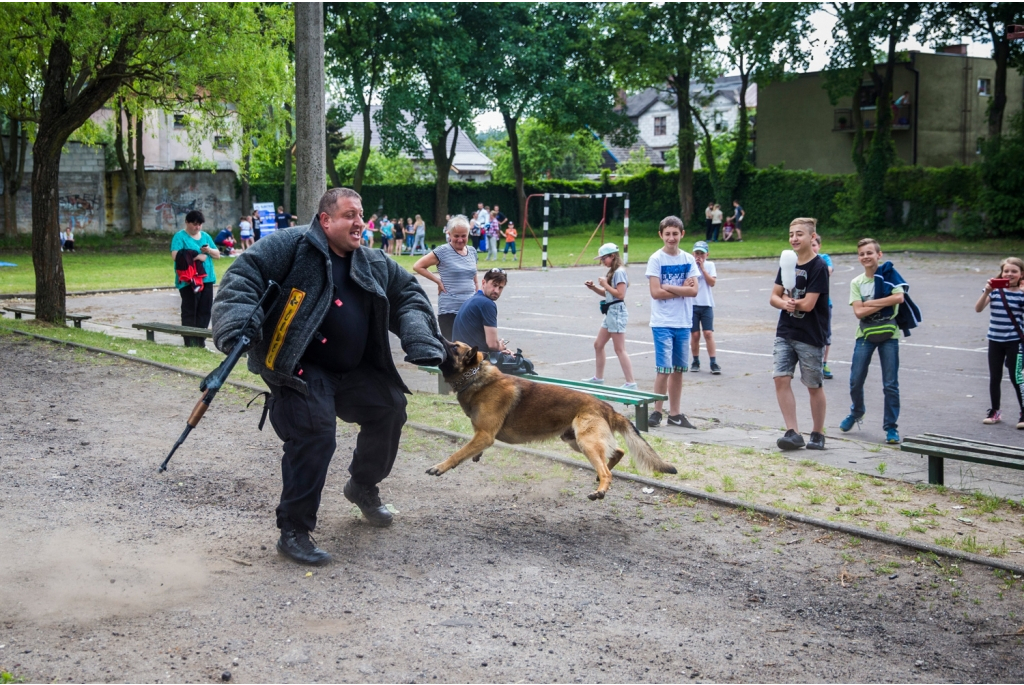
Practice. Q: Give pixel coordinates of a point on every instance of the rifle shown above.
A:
(212, 384)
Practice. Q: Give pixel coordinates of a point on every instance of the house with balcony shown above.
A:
(656, 117)
(939, 114)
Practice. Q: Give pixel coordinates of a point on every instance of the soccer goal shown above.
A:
(600, 226)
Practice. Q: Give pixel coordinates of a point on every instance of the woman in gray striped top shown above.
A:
(456, 272)
(1003, 340)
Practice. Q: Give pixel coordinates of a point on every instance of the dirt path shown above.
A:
(499, 571)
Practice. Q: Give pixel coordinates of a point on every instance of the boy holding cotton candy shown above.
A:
(801, 292)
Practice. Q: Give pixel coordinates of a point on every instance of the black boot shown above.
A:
(296, 544)
(367, 498)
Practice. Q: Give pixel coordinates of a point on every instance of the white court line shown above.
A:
(553, 316)
(584, 361)
(569, 335)
(943, 347)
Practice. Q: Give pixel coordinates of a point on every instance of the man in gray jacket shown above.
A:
(323, 350)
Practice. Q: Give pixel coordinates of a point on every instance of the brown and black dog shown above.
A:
(515, 410)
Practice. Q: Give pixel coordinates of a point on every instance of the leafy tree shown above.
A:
(666, 46)
(73, 58)
(359, 50)
(537, 60)
(985, 22)
(765, 40)
(546, 153)
(859, 28)
(12, 164)
(378, 169)
(637, 164)
(430, 87)
(1003, 177)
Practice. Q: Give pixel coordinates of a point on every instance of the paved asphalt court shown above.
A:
(554, 319)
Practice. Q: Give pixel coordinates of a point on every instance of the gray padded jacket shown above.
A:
(298, 259)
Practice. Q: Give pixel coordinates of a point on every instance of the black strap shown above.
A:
(1002, 296)
(266, 407)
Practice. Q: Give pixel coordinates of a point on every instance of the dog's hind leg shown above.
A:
(594, 446)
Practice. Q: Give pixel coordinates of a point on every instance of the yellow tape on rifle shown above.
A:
(295, 298)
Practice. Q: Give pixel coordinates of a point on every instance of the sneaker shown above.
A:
(892, 436)
(1020, 424)
(817, 441)
(367, 498)
(680, 420)
(695, 366)
(629, 386)
(848, 422)
(826, 372)
(994, 416)
(654, 420)
(790, 441)
(296, 544)
(715, 369)
(594, 379)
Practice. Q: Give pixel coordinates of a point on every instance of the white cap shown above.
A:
(605, 250)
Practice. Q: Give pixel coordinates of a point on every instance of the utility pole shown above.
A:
(310, 109)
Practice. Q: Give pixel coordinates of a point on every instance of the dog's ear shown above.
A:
(471, 355)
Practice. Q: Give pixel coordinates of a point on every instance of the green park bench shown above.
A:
(634, 398)
(153, 327)
(941, 447)
(18, 311)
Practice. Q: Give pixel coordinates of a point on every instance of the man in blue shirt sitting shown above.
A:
(476, 324)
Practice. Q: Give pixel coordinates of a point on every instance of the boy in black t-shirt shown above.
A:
(800, 336)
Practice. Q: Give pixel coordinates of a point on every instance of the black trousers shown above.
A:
(707, 230)
(1002, 354)
(308, 426)
(195, 311)
(446, 322)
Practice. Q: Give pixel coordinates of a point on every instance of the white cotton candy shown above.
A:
(787, 262)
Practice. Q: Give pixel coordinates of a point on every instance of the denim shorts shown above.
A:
(671, 345)
(703, 318)
(787, 353)
(616, 318)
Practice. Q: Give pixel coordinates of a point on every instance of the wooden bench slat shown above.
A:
(597, 386)
(18, 311)
(968, 446)
(980, 445)
(174, 329)
(960, 455)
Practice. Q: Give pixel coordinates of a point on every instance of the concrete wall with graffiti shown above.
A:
(173, 194)
(81, 196)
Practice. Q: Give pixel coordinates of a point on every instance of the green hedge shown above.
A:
(919, 200)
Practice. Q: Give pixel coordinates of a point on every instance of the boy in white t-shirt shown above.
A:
(671, 274)
(704, 308)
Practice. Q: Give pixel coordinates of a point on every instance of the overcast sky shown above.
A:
(820, 40)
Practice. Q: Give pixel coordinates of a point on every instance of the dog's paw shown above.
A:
(436, 470)
(477, 457)
(597, 494)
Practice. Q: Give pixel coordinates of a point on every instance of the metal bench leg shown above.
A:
(17, 315)
(151, 336)
(78, 323)
(641, 418)
(442, 386)
(935, 471)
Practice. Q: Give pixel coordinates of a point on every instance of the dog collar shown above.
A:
(465, 380)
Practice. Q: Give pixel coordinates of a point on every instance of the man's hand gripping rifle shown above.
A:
(211, 385)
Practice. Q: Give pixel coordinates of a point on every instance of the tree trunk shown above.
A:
(13, 163)
(442, 166)
(140, 175)
(1001, 54)
(517, 166)
(287, 202)
(310, 109)
(51, 292)
(685, 139)
(364, 153)
(246, 170)
(727, 192)
(126, 160)
(709, 156)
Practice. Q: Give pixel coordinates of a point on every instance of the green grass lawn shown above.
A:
(106, 264)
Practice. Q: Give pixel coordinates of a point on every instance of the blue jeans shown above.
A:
(889, 357)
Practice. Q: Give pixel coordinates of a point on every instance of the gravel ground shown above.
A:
(498, 571)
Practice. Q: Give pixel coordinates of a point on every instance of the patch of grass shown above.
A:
(945, 541)
(698, 518)
(747, 450)
(844, 499)
(709, 488)
(816, 498)
(970, 544)
(881, 468)
(912, 513)
(999, 550)
(728, 484)
(882, 527)
(8, 677)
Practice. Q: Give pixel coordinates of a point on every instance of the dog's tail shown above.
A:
(642, 454)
